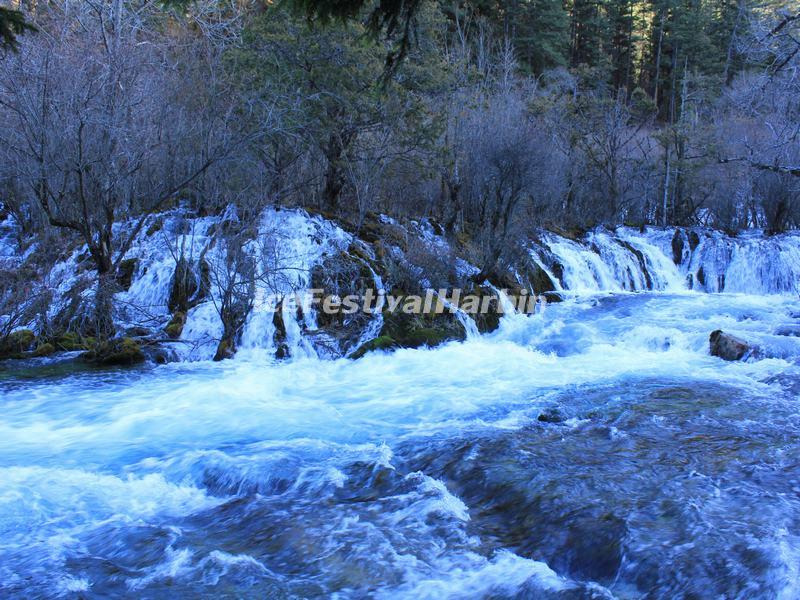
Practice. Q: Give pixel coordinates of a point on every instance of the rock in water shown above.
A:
(115, 352)
(729, 347)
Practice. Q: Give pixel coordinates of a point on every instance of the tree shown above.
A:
(97, 133)
(12, 25)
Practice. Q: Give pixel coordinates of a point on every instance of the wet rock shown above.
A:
(790, 330)
(279, 338)
(694, 240)
(677, 247)
(640, 258)
(158, 354)
(225, 350)
(489, 320)
(553, 297)
(551, 415)
(383, 342)
(728, 347)
(125, 273)
(402, 330)
(701, 276)
(538, 279)
(175, 327)
(116, 352)
(184, 286)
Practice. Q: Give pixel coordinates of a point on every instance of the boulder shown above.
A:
(729, 347)
(537, 278)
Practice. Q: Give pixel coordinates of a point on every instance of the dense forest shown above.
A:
(490, 118)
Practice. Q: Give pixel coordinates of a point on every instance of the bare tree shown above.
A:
(96, 131)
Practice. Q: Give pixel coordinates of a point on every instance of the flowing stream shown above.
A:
(592, 450)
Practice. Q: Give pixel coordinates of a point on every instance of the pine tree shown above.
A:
(542, 34)
(12, 25)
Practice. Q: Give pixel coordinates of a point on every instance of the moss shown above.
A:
(383, 342)
(225, 350)
(44, 350)
(175, 327)
(17, 343)
(116, 351)
(426, 336)
(71, 341)
(21, 340)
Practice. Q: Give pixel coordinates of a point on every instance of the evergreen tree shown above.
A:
(541, 34)
(12, 25)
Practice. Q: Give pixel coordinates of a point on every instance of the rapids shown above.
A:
(594, 449)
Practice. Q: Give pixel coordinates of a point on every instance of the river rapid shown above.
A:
(593, 450)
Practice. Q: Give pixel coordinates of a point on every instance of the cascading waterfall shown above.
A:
(287, 244)
(630, 260)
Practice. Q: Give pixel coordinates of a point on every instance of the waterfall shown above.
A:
(286, 245)
(467, 322)
(671, 260)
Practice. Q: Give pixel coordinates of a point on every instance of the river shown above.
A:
(593, 450)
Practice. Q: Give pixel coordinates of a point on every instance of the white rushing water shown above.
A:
(592, 450)
(313, 477)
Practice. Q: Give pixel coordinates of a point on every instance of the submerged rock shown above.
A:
(729, 347)
(788, 330)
